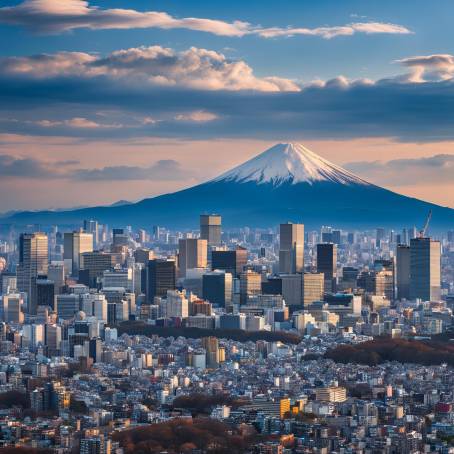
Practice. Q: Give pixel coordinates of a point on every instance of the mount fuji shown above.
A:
(287, 182)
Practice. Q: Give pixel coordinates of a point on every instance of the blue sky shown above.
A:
(359, 80)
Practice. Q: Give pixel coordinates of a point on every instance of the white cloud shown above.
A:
(425, 68)
(194, 68)
(76, 122)
(368, 28)
(56, 16)
(198, 115)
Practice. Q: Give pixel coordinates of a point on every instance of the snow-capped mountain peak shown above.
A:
(289, 163)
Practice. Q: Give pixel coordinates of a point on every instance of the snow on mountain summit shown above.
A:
(289, 163)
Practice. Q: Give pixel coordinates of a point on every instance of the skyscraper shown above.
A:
(291, 249)
(313, 287)
(75, 244)
(403, 271)
(33, 260)
(218, 288)
(327, 264)
(232, 262)
(192, 254)
(210, 228)
(161, 277)
(425, 274)
(250, 284)
(91, 226)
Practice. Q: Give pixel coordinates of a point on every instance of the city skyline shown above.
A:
(96, 101)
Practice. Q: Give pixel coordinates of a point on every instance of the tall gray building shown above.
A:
(403, 271)
(192, 253)
(210, 228)
(75, 244)
(425, 269)
(291, 248)
(33, 261)
(327, 264)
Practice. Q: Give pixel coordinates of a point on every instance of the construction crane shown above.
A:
(422, 233)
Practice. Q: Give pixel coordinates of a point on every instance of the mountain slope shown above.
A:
(285, 183)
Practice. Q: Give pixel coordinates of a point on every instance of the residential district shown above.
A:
(121, 340)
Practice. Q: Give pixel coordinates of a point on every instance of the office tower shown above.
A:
(8, 283)
(349, 277)
(45, 292)
(56, 274)
(118, 278)
(120, 238)
(232, 262)
(218, 288)
(211, 346)
(52, 339)
(67, 306)
(161, 277)
(94, 264)
(95, 349)
(210, 229)
(289, 286)
(192, 254)
(76, 243)
(313, 287)
(380, 234)
(143, 255)
(175, 305)
(336, 237)
(91, 226)
(326, 234)
(33, 260)
(291, 248)
(425, 263)
(12, 308)
(385, 270)
(250, 284)
(327, 264)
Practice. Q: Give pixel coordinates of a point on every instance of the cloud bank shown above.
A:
(437, 169)
(57, 16)
(201, 94)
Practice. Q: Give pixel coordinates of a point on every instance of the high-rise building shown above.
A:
(210, 228)
(192, 254)
(250, 284)
(75, 244)
(313, 287)
(217, 288)
(119, 238)
(385, 272)
(291, 249)
(12, 308)
(56, 274)
(211, 346)
(33, 261)
(91, 226)
(403, 271)
(94, 264)
(327, 264)
(67, 306)
(161, 277)
(232, 262)
(45, 292)
(425, 274)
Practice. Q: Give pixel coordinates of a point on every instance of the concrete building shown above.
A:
(425, 272)
(291, 248)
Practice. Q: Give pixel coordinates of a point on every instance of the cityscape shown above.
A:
(226, 227)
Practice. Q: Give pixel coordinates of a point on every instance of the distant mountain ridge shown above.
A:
(287, 182)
